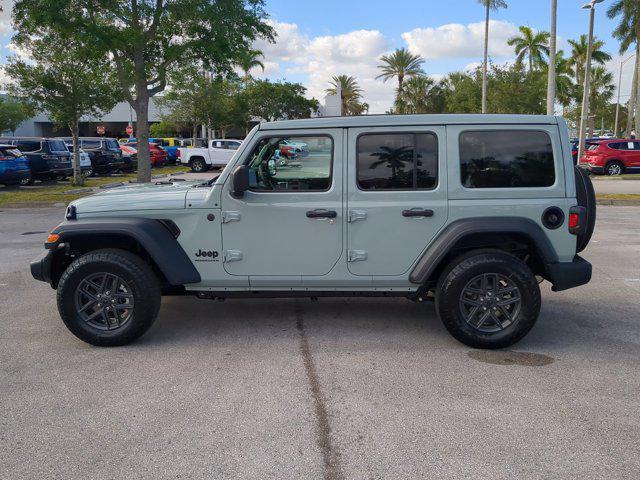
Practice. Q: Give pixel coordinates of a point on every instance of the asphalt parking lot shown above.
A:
(334, 389)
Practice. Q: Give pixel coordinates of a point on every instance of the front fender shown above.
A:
(157, 237)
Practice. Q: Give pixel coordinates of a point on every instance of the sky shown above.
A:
(320, 38)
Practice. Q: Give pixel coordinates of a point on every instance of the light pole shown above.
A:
(587, 78)
(551, 79)
(615, 128)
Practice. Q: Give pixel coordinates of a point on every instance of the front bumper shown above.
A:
(41, 267)
(565, 275)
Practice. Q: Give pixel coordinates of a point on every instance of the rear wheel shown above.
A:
(198, 165)
(488, 299)
(108, 297)
(614, 168)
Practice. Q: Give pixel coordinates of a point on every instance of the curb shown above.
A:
(620, 203)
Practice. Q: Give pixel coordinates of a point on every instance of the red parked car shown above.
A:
(613, 156)
(159, 156)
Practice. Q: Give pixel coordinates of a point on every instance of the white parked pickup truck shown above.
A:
(216, 154)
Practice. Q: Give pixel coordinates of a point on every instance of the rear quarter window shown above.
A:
(506, 159)
(28, 146)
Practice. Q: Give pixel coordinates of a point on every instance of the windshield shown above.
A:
(57, 146)
(112, 144)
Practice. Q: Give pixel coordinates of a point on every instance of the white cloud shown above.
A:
(5, 17)
(318, 59)
(455, 40)
(18, 51)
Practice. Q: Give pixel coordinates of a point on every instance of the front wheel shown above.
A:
(108, 297)
(488, 299)
(24, 181)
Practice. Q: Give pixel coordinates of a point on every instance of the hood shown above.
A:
(149, 196)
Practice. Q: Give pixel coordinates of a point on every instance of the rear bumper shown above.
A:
(565, 275)
(41, 267)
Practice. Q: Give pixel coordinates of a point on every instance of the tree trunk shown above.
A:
(77, 169)
(194, 132)
(142, 120)
(486, 56)
(551, 78)
(631, 105)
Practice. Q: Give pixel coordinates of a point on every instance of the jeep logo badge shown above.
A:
(207, 255)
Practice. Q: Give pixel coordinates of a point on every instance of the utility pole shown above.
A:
(615, 127)
(551, 79)
(584, 114)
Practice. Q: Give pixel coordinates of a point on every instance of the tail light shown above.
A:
(4, 159)
(577, 220)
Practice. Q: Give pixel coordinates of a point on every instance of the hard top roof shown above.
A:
(409, 120)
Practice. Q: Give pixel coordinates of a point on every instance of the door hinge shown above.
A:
(356, 255)
(355, 215)
(232, 256)
(230, 217)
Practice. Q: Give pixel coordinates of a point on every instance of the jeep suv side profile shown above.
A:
(467, 211)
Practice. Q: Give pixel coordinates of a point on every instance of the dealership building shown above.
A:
(114, 123)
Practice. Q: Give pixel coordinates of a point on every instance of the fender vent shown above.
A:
(171, 226)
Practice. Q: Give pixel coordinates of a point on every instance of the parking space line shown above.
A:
(330, 455)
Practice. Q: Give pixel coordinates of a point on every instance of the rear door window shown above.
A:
(112, 144)
(506, 159)
(57, 146)
(397, 161)
(28, 145)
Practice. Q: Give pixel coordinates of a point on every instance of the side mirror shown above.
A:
(240, 181)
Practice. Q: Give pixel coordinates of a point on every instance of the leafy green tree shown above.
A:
(146, 39)
(565, 88)
(12, 113)
(187, 101)
(463, 92)
(400, 64)
(248, 60)
(628, 33)
(65, 82)
(421, 95)
(488, 5)
(164, 128)
(278, 100)
(352, 103)
(532, 45)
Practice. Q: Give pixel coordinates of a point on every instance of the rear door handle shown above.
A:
(417, 212)
(321, 213)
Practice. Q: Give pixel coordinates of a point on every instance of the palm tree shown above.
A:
(579, 55)
(351, 94)
(248, 60)
(534, 45)
(415, 95)
(628, 33)
(489, 5)
(565, 88)
(400, 64)
(601, 91)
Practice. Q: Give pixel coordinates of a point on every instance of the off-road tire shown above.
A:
(463, 270)
(198, 165)
(586, 197)
(139, 276)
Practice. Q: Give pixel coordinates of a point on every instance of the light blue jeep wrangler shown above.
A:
(468, 211)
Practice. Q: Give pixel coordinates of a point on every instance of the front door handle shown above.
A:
(321, 213)
(417, 212)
